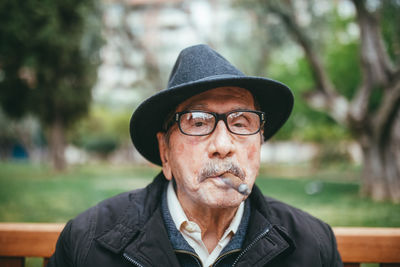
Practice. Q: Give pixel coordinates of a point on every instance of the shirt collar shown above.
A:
(179, 217)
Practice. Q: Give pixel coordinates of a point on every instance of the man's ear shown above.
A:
(164, 149)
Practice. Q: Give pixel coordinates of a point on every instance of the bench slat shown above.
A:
(356, 245)
(28, 239)
(368, 245)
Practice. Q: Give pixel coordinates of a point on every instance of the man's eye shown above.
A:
(238, 125)
(240, 122)
(198, 124)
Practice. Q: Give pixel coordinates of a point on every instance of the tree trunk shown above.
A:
(57, 144)
(381, 165)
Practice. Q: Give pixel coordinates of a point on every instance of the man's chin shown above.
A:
(227, 198)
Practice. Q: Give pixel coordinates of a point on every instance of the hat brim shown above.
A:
(275, 99)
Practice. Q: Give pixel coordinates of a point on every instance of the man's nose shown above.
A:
(221, 144)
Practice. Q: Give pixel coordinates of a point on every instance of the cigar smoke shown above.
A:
(236, 183)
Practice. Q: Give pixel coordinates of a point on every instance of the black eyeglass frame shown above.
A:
(218, 117)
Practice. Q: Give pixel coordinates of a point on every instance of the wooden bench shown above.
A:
(356, 245)
(21, 240)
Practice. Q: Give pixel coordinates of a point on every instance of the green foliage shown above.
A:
(101, 144)
(390, 25)
(342, 64)
(335, 44)
(45, 64)
(102, 131)
(324, 132)
(339, 49)
(305, 123)
(375, 99)
(331, 154)
(335, 39)
(341, 54)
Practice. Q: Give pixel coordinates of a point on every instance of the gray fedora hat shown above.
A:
(197, 69)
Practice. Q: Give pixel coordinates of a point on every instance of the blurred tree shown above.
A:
(103, 131)
(131, 33)
(370, 106)
(48, 58)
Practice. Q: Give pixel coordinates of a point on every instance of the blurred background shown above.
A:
(73, 71)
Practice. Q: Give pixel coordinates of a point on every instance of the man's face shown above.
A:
(188, 158)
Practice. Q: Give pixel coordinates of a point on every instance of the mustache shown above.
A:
(216, 168)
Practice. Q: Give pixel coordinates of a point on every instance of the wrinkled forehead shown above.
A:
(238, 96)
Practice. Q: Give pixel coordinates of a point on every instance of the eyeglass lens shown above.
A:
(203, 123)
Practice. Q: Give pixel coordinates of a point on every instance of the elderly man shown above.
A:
(206, 130)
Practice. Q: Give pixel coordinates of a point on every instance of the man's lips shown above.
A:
(224, 175)
(234, 182)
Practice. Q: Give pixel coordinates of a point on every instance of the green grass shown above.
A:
(30, 193)
(338, 203)
(35, 193)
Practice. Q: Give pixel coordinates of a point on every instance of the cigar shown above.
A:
(236, 183)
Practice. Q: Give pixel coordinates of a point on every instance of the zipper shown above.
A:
(223, 256)
(258, 238)
(134, 262)
(191, 254)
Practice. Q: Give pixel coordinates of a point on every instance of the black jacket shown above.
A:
(129, 230)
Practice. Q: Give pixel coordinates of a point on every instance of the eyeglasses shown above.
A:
(240, 122)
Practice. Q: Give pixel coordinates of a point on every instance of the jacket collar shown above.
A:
(140, 230)
(141, 207)
(266, 239)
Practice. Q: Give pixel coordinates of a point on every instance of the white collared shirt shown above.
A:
(192, 232)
